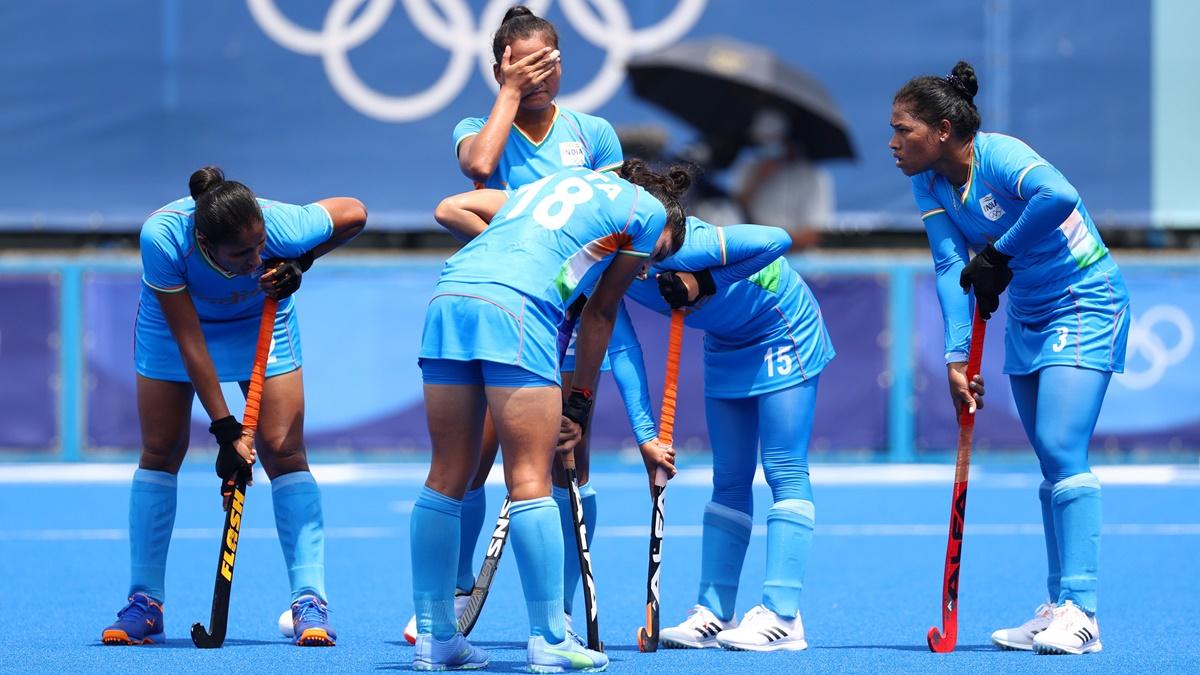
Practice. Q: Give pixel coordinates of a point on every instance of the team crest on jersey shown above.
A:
(991, 209)
(571, 153)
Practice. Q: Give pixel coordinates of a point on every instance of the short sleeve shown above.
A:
(606, 147)
(1008, 161)
(468, 127)
(295, 230)
(645, 225)
(163, 265)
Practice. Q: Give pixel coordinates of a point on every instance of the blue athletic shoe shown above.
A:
(454, 654)
(564, 657)
(138, 623)
(310, 623)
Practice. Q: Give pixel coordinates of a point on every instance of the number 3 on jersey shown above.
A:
(1063, 332)
(554, 210)
(779, 361)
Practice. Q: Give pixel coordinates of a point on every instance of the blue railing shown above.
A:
(904, 273)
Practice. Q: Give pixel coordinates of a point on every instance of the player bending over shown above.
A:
(208, 260)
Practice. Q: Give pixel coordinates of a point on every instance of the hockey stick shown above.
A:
(219, 620)
(943, 642)
(483, 582)
(491, 561)
(647, 636)
(585, 555)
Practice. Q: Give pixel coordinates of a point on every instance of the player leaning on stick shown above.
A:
(765, 345)
(527, 136)
(491, 340)
(1068, 318)
(207, 261)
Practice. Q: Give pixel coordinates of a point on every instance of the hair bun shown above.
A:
(681, 180)
(204, 180)
(962, 77)
(516, 11)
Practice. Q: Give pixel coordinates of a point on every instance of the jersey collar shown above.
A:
(211, 263)
(538, 144)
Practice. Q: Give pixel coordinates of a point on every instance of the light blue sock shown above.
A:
(723, 549)
(151, 519)
(433, 538)
(301, 527)
(1076, 502)
(1054, 572)
(789, 540)
(474, 507)
(537, 541)
(571, 573)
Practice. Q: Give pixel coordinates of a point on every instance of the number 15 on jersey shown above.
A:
(780, 360)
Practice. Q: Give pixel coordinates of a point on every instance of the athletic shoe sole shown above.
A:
(533, 668)
(1050, 650)
(114, 637)
(1012, 646)
(781, 646)
(671, 643)
(428, 666)
(315, 637)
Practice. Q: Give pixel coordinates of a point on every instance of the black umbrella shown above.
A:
(719, 85)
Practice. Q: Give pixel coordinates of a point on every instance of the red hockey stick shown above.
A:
(943, 642)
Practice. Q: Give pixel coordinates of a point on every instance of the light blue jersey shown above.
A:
(1067, 303)
(549, 242)
(763, 327)
(574, 139)
(228, 305)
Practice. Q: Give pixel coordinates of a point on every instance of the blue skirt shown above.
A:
(231, 345)
(1081, 321)
(490, 322)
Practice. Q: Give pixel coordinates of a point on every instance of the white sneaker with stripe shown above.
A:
(698, 631)
(1021, 637)
(762, 630)
(1071, 631)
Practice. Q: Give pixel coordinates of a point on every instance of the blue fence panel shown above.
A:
(884, 394)
(29, 364)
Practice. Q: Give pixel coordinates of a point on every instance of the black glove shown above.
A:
(988, 272)
(227, 431)
(288, 273)
(578, 407)
(675, 292)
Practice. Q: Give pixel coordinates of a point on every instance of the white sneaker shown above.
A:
(1021, 637)
(1071, 631)
(457, 653)
(461, 598)
(698, 631)
(762, 630)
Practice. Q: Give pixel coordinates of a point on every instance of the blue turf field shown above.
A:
(873, 584)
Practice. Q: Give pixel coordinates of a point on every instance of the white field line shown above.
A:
(829, 475)
(631, 531)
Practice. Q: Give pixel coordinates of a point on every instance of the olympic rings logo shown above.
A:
(1145, 342)
(454, 30)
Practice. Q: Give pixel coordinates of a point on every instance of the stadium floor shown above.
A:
(872, 588)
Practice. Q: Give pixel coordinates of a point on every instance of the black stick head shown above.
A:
(646, 644)
(202, 639)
